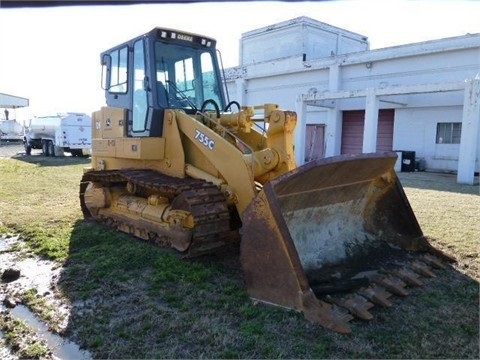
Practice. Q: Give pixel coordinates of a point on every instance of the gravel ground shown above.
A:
(16, 149)
(11, 149)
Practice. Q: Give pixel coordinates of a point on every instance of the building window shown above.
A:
(449, 133)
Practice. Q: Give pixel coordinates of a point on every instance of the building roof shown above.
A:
(305, 20)
(12, 102)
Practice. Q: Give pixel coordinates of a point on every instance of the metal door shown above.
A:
(314, 142)
(353, 126)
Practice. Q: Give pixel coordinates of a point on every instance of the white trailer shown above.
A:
(57, 134)
(11, 130)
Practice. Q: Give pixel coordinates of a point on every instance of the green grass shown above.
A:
(449, 214)
(134, 300)
(39, 199)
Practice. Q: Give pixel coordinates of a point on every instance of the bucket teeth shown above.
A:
(357, 305)
(392, 284)
(422, 268)
(330, 316)
(433, 261)
(376, 294)
(410, 277)
(341, 313)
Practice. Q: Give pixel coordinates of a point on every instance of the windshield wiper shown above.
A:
(182, 95)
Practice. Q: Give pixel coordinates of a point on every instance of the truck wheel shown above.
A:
(51, 148)
(45, 148)
(28, 149)
(77, 152)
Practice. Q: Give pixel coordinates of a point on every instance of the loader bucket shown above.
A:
(322, 226)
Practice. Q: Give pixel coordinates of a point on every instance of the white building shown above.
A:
(422, 99)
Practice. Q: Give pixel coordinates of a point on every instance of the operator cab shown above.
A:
(162, 69)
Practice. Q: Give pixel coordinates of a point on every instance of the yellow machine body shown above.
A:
(330, 238)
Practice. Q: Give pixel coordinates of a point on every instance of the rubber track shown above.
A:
(202, 199)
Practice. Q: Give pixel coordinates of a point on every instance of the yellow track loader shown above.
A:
(173, 163)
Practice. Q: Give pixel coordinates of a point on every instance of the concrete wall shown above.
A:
(443, 61)
(416, 129)
(301, 36)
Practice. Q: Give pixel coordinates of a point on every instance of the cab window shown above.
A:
(118, 76)
(139, 92)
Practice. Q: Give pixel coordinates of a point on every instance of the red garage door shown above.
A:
(352, 131)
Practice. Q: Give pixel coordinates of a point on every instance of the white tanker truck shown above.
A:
(57, 134)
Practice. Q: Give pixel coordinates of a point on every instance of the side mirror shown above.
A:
(106, 62)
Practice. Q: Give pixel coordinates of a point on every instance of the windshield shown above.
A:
(186, 76)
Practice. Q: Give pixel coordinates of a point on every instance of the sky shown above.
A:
(52, 55)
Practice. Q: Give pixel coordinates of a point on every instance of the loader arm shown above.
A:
(233, 173)
(238, 165)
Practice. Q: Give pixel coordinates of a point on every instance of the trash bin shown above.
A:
(408, 161)
(420, 164)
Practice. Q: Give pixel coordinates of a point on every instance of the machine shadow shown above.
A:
(41, 160)
(112, 281)
(114, 278)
